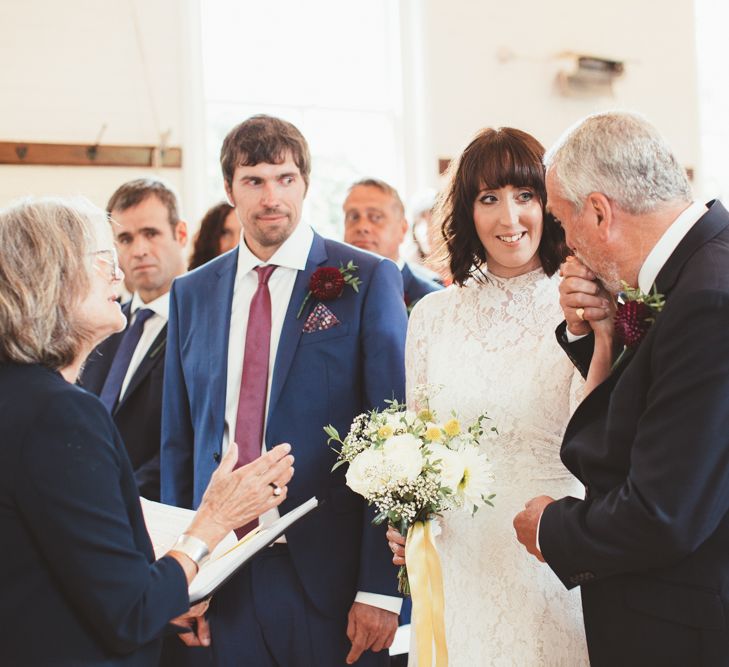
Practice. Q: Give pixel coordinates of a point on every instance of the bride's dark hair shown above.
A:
(494, 159)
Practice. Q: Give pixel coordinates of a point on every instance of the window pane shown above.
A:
(340, 87)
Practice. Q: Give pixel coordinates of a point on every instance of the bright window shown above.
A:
(712, 17)
(332, 68)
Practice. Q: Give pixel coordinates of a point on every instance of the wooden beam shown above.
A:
(80, 155)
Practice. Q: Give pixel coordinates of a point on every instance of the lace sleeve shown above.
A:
(415, 353)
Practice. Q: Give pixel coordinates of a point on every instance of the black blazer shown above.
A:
(650, 542)
(78, 578)
(138, 416)
(416, 285)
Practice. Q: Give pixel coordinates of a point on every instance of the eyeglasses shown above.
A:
(111, 259)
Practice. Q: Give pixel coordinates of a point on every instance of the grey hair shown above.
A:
(45, 264)
(621, 155)
(383, 187)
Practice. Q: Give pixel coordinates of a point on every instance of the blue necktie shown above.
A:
(114, 380)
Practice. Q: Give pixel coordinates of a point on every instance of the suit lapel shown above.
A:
(155, 355)
(292, 327)
(216, 313)
(407, 278)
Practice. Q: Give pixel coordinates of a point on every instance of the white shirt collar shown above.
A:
(667, 244)
(400, 263)
(292, 254)
(160, 306)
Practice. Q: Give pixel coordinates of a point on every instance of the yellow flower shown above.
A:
(426, 415)
(385, 431)
(452, 427)
(433, 434)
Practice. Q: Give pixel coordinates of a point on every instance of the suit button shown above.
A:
(216, 457)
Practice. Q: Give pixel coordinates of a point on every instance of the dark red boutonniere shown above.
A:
(635, 314)
(327, 283)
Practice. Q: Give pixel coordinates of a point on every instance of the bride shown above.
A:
(488, 342)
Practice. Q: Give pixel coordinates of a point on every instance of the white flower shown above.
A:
(366, 472)
(400, 421)
(477, 478)
(451, 466)
(403, 456)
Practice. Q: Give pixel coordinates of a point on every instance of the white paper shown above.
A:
(165, 523)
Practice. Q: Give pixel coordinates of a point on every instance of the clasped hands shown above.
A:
(583, 299)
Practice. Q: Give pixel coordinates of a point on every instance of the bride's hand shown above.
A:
(583, 299)
(397, 546)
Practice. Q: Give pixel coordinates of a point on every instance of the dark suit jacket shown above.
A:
(138, 416)
(319, 378)
(79, 582)
(650, 542)
(416, 285)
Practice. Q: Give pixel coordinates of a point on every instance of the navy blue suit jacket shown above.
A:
(320, 378)
(138, 416)
(79, 582)
(416, 285)
(650, 542)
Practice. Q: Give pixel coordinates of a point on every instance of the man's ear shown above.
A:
(229, 193)
(600, 212)
(181, 233)
(404, 228)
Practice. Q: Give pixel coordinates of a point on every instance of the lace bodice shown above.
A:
(491, 346)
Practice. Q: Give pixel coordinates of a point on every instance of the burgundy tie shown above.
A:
(254, 380)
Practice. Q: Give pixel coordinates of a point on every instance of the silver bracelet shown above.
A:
(193, 547)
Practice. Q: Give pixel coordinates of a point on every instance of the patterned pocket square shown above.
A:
(320, 319)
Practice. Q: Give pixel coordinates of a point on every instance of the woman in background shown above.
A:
(219, 232)
(79, 582)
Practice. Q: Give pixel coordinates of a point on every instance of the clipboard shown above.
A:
(165, 523)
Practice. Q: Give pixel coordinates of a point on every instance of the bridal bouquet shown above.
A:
(412, 467)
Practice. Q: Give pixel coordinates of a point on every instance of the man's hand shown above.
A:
(369, 628)
(526, 522)
(582, 297)
(195, 620)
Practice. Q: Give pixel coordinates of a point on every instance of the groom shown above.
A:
(254, 357)
(649, 544)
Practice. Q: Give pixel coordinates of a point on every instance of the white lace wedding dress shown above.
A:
(492, 347)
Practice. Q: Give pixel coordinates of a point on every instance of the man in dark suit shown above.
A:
(127, 369)
(649, 543)
(374, 220)
(267, 344)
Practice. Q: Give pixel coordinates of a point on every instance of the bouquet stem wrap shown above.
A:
(426, 588)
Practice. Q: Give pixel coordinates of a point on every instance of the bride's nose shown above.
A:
(509, 213)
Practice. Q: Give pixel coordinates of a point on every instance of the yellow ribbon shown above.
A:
(426, 590)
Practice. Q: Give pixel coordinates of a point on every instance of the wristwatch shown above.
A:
(193, 547)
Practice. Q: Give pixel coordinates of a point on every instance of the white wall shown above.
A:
(70, 67)
(467, 88)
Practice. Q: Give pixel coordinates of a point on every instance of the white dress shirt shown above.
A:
(290, 258)
(152, 328)
(656, 260)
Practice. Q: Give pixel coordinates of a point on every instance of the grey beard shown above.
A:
(607, 273)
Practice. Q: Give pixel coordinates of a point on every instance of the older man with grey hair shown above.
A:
(649, 543)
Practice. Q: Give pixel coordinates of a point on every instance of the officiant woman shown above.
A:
(79, 581)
